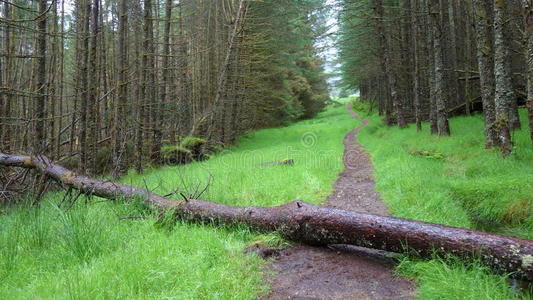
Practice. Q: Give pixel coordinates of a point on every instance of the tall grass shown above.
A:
(454, 181)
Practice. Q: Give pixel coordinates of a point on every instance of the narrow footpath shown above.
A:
(342, 272)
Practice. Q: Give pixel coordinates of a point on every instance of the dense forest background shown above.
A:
(428, 60)
(106, 85)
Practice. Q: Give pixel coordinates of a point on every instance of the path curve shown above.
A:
(342, 272)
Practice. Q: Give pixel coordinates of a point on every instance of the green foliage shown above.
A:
(289, 81)
(357, 48)
(358, 106)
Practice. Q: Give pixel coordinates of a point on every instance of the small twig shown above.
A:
(73, 200)
(68, 194)
(206, 186)
(184, 197)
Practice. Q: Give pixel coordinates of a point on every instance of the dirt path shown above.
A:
(304, 272)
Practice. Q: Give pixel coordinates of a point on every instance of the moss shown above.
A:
(176, 155)
(191, 142)
(196, 145)
(28, 162)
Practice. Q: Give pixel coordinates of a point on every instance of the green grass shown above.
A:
(454, 181)
(92, 252)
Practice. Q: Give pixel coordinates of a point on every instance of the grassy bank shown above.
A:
(454, 181)
(98, 251)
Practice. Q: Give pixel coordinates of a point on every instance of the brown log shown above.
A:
(315, 225)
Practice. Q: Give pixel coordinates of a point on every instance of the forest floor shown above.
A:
(305, 272)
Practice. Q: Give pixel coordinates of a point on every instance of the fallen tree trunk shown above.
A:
(315, 225)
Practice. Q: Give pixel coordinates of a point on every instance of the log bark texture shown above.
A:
(315, 225)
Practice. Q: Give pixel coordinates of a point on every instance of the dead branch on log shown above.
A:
(314, 225)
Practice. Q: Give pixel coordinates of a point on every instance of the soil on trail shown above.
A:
(341, 271)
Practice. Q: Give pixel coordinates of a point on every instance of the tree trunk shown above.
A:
(443, 126)
(41, 84)
(302, 222)
(379, 14)
(84, 86)
(149, 83)
(528, 19)
(415, 5)
(164, 89)
(485, 54)
(121, 120)
(94, 88)
(504, 88)
(5, 133)
(431, 71)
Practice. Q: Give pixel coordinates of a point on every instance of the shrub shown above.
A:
(176, 155)
(195, 145)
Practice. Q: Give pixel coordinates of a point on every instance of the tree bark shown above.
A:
(165, 84)
(415, 5)
(379, 14)
(41, 84)
(314, 225)
(440, 84)
(5, 132)
(485, 54)
(504, 88)
(94, 88)
(121, 120)
(528, 19)
(433, 128)
(84, 17)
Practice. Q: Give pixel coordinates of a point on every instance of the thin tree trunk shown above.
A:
(94, 88)
(485, 54)
(84, 85)
(384, 49)
(7, 97)
(528, 19)
(431, 71)
(468, 54)
(41, 84)
(415, 5)
(121, 119)
(440, 93)
(163, 94)
(504, 88)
